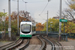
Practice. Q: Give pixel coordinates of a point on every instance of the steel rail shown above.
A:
(14, 46)
(8, 45)
(53, 46)
(58, 43)
(59, 46)
(43, 46)
(26, 45)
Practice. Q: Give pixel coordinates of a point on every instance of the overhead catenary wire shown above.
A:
(43, 9)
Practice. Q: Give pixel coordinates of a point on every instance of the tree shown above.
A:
(2, 14)
(71, 4)
(1, 22)
(39, 27)
(70, 12)
(23, 16)
(54, 25)
(69, 26)
(14, 27)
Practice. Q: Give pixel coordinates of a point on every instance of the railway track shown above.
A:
(51, 43)
(54, 43)
(36, 46)
(21, 45)
(8, 45)
(17, 45)
(24, 44)
(58, 45)
(43, 46)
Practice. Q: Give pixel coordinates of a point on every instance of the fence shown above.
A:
(71, 35)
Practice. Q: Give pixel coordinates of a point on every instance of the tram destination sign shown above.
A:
(63, 20)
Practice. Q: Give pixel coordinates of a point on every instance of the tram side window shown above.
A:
(33, 28)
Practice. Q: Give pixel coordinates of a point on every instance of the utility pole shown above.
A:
(9, 29)
(18, 16)
(47, 24)
(47, 21)
(60, 18)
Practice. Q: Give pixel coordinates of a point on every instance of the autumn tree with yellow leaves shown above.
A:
(69, 26)
(54, 25)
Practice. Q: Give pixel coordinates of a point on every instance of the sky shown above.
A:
(35, 7)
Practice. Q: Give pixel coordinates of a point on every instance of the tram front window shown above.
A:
(25, 28)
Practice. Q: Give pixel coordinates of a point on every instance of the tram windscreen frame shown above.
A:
(25, 28)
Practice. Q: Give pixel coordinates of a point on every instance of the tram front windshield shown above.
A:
(25, 28)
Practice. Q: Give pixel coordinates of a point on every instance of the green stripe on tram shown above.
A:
(25, 35)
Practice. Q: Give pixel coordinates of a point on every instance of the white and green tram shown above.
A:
(26, 29)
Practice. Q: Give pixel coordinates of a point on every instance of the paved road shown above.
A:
(69, 45)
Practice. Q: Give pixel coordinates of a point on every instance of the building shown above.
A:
(56, 17)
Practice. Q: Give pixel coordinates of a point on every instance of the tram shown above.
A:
(27, 29)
